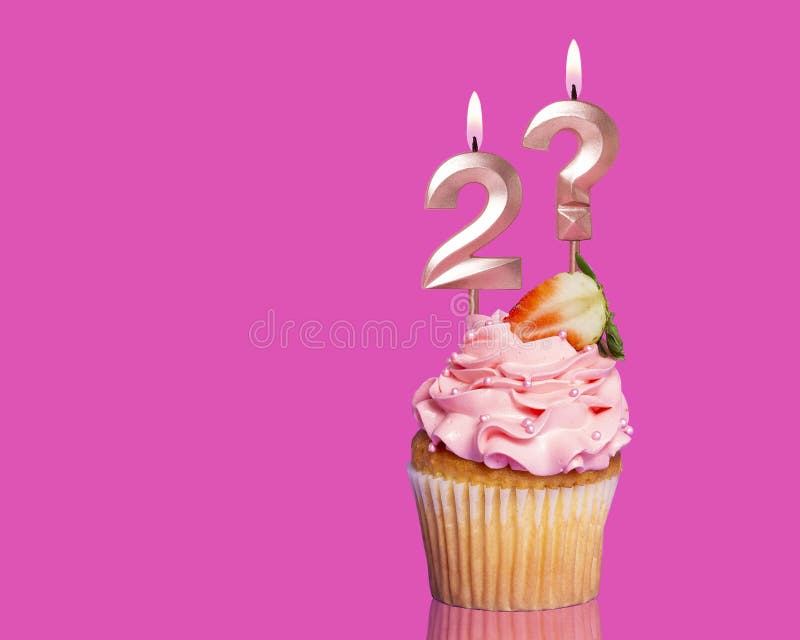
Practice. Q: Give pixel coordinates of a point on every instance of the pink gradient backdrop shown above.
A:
(172, 171)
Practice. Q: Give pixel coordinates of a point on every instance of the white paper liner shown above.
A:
(580, 622)
(512, 549)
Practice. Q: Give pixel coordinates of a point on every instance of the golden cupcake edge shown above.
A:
(444, 463)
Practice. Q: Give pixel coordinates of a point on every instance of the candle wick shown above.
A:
(574, 93)
(474, 143)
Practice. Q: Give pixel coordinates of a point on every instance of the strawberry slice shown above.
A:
(570, 302)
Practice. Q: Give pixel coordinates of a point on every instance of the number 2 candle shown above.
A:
(454, 265)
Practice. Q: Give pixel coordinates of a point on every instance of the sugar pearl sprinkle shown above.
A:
(431, 447)
(587, 348)
(574, 393)
(527, 383)
(454, 392)
(628, 431)
(527, 424)
(596, 435)
(487, 381)
(471, 336)
(562, 334)
(446, 373)
(484, 418)
(623, 423)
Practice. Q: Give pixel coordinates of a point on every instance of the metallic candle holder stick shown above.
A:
(598, 143)
(453, 265)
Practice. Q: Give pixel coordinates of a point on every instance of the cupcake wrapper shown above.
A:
(511, 549)
(581, 622)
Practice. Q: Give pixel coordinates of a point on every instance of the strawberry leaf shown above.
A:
(584, 266)
(613, 339)
(610, 343)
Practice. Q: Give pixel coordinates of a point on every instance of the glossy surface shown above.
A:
(579, 622)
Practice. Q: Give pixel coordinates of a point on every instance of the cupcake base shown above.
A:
(515, 544)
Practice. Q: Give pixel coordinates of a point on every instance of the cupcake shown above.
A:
(516, 461)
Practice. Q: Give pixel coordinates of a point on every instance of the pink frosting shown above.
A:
(539, 406)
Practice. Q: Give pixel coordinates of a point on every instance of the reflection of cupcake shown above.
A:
(581, 622)
(515, 466)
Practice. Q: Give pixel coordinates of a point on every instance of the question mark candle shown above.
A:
(453, 265)
(598, 143)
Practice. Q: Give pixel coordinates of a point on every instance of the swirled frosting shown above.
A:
(538, 406)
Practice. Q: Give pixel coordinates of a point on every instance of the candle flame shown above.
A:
(474, 120)
(574, 75)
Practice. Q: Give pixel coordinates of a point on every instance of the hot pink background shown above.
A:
(171, 172)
